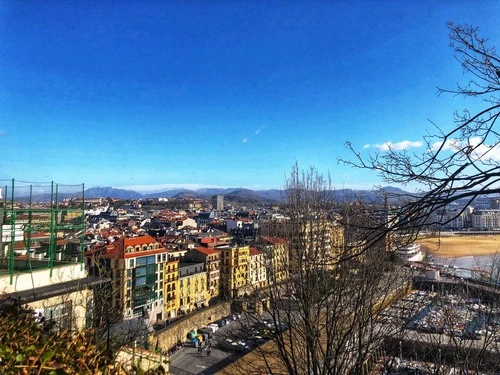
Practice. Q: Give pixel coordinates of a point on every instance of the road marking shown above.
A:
(200, 366)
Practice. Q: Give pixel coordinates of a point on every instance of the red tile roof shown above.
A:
(206, 250)
(254, 251)
(275, 240)
(117, 248)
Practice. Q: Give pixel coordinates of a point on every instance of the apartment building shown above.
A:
(234, 261)
(211, 259)
(171, 288)
(192, 286)
(276, 257)
(486, 219)
(450, 218)
(257, 268)
(136, 269)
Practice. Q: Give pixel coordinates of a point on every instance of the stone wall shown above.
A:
(168, 337)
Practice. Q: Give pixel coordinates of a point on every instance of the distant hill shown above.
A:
(105, 192)
(187, 194)
(166, 194)
(245, 196)
(214, 191)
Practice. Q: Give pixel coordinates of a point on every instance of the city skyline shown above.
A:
(232, 94)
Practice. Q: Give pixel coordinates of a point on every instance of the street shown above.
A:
(188, 361)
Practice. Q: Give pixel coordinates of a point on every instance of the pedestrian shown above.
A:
(209, 350)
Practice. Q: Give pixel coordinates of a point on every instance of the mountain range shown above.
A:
(237, 195)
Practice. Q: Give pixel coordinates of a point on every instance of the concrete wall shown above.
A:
(168, 337)
(40, 278)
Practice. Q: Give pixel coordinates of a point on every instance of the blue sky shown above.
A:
(151, 94)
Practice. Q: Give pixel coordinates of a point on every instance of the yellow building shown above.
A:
(192, 286)
(171, 289)
(234, 276)
(211, 258)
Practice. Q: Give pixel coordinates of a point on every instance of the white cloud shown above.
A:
(367, 146)
(450, 144)
(259, 130)
(481, 151)
(245, 140)
(3, 133)
(398, 146)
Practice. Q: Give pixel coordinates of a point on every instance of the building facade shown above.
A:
(486, 219)
(257, 268)
(218, 202)
(136, 269)
(192, 286)
(211, 258)
(171, 288)
(233, 270)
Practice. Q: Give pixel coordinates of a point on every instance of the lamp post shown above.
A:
(400, 351)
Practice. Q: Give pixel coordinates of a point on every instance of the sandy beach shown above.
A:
(461, 246)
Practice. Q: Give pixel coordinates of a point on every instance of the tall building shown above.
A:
(257, 272)
(136, 269)
(171, 288)
(233, 270)
(276, 258)
(218, 202)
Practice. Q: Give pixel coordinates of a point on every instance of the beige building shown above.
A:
(257, 269)
(276, 257)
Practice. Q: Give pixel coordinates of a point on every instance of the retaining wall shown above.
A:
(168, 337)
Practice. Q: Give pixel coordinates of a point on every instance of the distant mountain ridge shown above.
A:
(238, 195)
(395, 196)
(105, 192)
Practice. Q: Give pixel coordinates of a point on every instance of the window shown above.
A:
(141, 261)
(139, 281)
(140, 271)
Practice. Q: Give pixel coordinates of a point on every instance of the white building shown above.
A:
(486, 219)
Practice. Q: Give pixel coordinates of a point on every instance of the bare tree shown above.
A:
(325, 317)
(459, 164)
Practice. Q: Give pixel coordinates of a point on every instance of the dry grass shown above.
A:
(461, 246)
